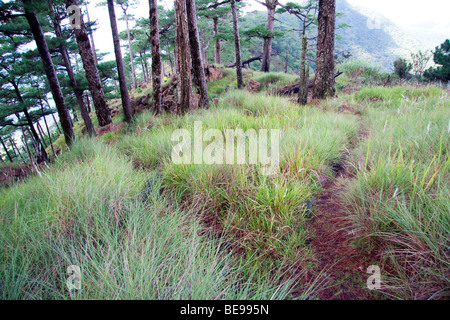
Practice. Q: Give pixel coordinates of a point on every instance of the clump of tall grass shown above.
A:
(87, 210)
(272, 80)
(400, 95)
(400, 196)
(359, 72)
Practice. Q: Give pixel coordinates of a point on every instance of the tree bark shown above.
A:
(56, 122)
(128, 113)
(14, 146)
(41, 134)
(63, 112)
(133, 70)
(73, 82)
(90, 67)
(237, 46)
(6, 150)
(91, 36)
(48, 130)
(29, 119)
(217, 48)
(156, 56)
(144, 71)
(267, 49)
(184, 58)
(196, 53)
(324, 81)
(303, 88)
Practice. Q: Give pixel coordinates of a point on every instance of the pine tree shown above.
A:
(324, 80)
(90, 67)
(128, 113)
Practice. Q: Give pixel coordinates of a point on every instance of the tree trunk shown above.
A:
(91, 36)
(144, 72)
(6, 150)
(170, 59)
(237, 46)
(48, 130)
(303, 88)
(324, 81)
(128, 113)
(14, 146)
(267, 49)
(133, 70)
(217, 53)
(41, 134)
(196, 53)
(56, 122)
(90, 67)
(184, 58)
(29, 119)
(27, 149)
(285, 64)
(156, 56)
(73, 82)
(205, 54)
(63, 112)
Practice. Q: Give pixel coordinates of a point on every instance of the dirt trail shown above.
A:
(338, 258)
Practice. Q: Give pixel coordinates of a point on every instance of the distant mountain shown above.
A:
(374, 38)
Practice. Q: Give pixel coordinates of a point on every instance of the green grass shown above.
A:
(400, 196)
(87, 210)
(229, 231)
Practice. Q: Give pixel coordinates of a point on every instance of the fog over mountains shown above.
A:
(376, 39)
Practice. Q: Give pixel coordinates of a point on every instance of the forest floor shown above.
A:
(343, 263)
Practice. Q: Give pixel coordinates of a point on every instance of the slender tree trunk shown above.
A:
(33, 141)
(143, 67)
(133, 69)
(128, 113)
(184, 58)
(170, 58)
(13, 144)
(41, 134)
(303, 88)
(205, 54)
(6, 150)
(156, 56)
(217, 47)
(285, 64)
(29, 119)
(48, 130)
(90, 67)
(91, 36)
(73, 82)
(237, 46)
(47, 62)
(196, 54)
(147, 72)
(324, 81)
(267, 49)
(56, 122)
(27, 148)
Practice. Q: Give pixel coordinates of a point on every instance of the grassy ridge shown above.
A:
(231, 232)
